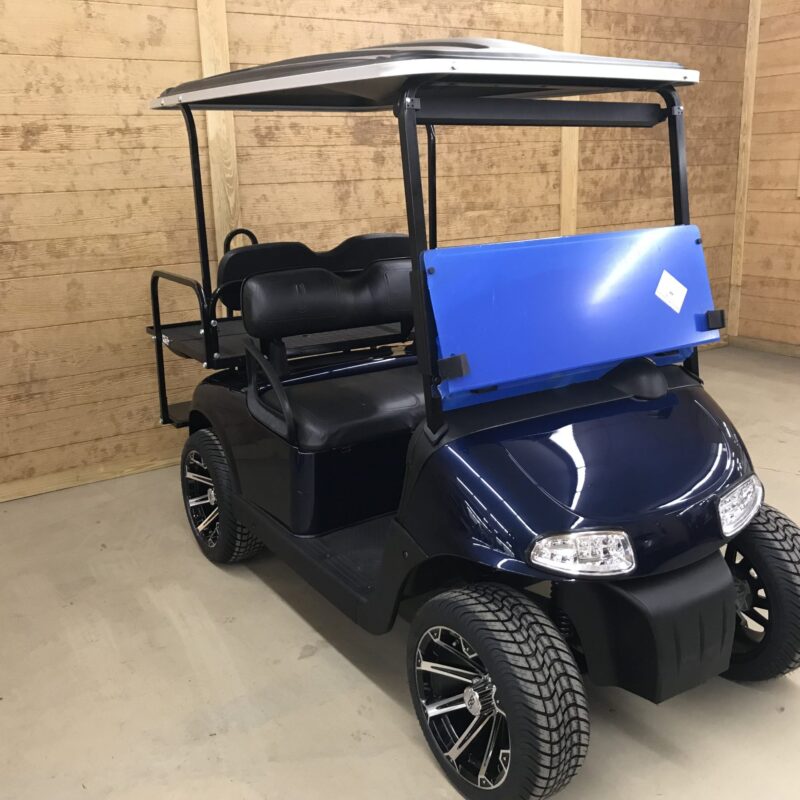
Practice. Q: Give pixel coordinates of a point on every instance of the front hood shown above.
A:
(652, 468)
(659, 457)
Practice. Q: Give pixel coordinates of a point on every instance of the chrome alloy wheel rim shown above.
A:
(460, 708)
(201, 499)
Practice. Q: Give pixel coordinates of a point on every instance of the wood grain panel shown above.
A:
(743, 175)
(491, 14)
(707, 10)
(69, 255)
(779, 58)
(69, 391)
(771, 265)
(776, 93)
(775, 146)
(780, 8)
(669, 29)
(773, 260)
(99, 29)
(767, 227)
(768, 332)
(43, 85)
(59, 467)
(54, 215)
(62, 133)
(781, 122)
(64, 425)
(61, 351)
(94, 194)
(41, 302)
(86, 170)
(781, 201)
(778, 27)
(304, 164)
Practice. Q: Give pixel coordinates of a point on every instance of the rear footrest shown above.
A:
(178, 414)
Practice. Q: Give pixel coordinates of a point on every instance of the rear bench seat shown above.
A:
(352, 255)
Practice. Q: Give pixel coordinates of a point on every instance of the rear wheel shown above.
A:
(207, 496)
(765, 561)
(497, 693)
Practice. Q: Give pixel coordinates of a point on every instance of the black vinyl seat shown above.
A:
(351, 255)
(345, 411)
(380, 400)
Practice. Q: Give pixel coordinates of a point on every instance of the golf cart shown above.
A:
(516, 434)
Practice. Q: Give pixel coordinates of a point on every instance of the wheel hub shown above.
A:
(744, 595)
(479, 698)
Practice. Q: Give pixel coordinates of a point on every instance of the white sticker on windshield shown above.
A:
(671, 291)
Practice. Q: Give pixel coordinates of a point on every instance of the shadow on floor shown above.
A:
(379, 658)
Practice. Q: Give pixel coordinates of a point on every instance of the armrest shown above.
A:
(209, 332)
(281, 422)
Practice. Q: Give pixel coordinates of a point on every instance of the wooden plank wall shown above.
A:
(93, 196)
(770, 290)
(325, 180)
(624, 175)
(94, 188)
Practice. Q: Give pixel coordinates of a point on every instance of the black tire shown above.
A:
(537, 693)
(765, 560)
(223, 540)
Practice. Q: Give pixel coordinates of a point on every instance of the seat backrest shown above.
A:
(316, 300)
(242, 262)
(351, 255)
(520, 317)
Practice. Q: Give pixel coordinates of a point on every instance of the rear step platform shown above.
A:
(187, 340)
(178, 414)
(369, 560)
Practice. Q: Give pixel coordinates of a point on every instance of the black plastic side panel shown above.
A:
(658, 636)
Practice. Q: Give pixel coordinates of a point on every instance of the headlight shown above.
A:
(585, 553)
(739, 505)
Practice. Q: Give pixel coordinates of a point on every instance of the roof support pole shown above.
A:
(415, 209)
(570, 137)
(677, 155)
(432, 221)
(680, 180)
(212, 25)
(199, 206)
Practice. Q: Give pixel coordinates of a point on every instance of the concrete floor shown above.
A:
(132, 668)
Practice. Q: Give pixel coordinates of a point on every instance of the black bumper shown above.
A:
(657, 636)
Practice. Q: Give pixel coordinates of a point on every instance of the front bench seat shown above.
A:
(348, 409)
(341, 412)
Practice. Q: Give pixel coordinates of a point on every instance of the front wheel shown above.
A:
(765, 561)
(497, 693)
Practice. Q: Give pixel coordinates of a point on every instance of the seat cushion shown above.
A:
(337, 412)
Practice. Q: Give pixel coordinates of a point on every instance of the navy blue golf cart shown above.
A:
(515, 434)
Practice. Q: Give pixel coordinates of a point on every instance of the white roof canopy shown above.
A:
(372, 78)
